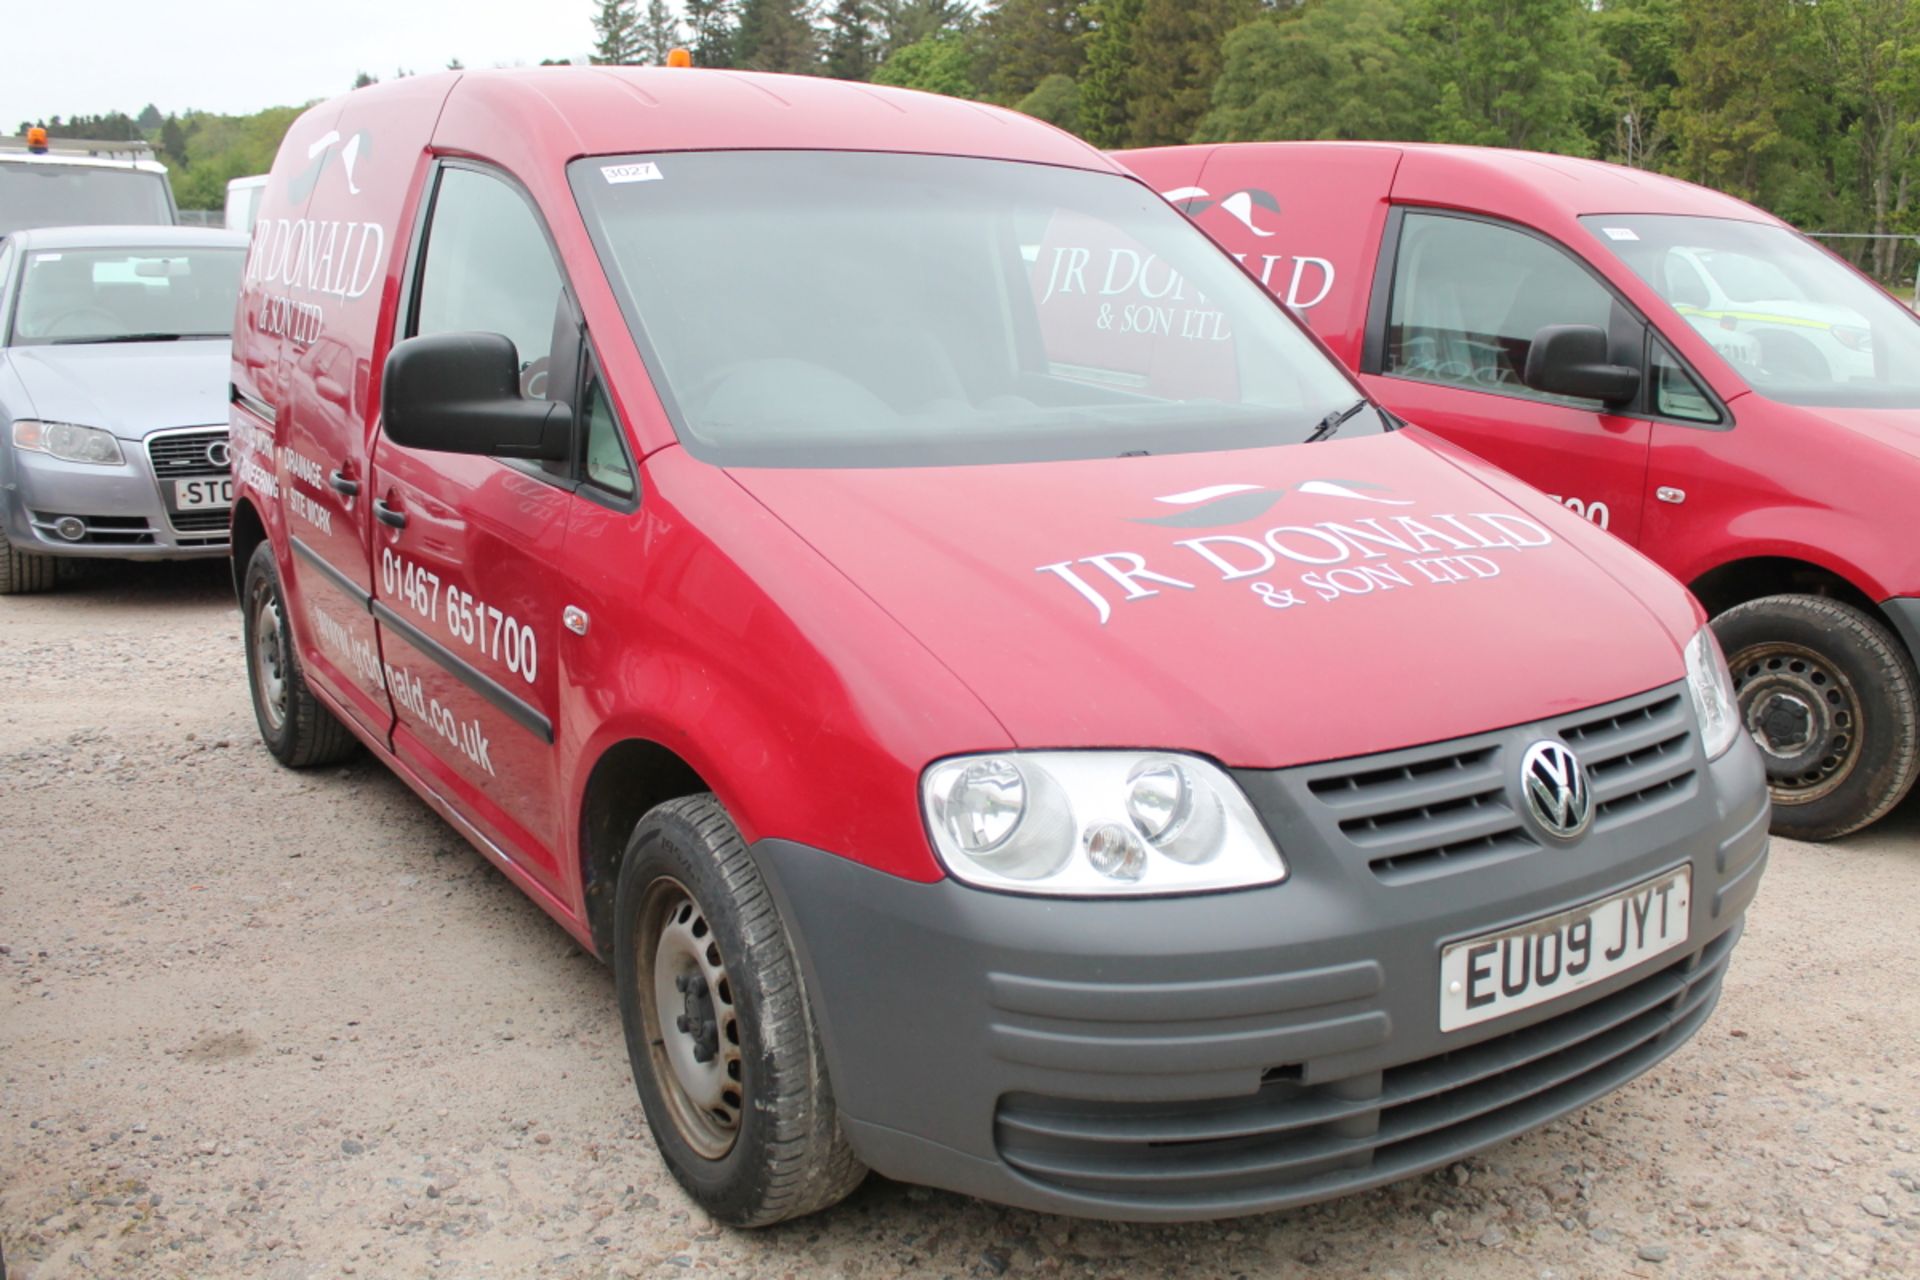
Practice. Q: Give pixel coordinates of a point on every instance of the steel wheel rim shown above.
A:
(270, 658)
(1803, 714)
(687, 1007)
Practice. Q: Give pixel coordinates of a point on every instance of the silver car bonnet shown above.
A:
(129, 388)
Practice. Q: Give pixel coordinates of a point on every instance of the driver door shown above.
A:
(465, 588)
(1447, 346)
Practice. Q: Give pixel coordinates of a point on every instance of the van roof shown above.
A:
(615, 110)
(1512, 182)
(128, 237)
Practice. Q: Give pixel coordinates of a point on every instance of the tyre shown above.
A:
(722, 1042)
(296, 728)
(1831, 699)
(24, 572)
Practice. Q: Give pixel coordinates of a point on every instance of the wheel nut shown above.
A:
(682, 1025)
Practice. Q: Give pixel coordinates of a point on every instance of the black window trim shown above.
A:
(1380, 316)
(408, 319)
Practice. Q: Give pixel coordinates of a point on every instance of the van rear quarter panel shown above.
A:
(1306, 221)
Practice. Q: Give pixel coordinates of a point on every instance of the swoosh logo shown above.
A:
(1221, 505)
(301, 185)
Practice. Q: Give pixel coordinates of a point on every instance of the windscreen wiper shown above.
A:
(134, 337)
(1334, 421)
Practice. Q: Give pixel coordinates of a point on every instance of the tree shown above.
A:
(149, 118)
(362, 79)
(905, 22)
(777, 35)
(1055, 100)
(1023, 42)
(1334, 69)
(616, 33)
(1873, 47)
(454, 64)
(712, 25)
(659, 33)
(1105, 89)
(1510, 73)
(1176, 48)
(1736, 74)
(850, 40)
(1638, 41)
(173, 141)
(938, 64)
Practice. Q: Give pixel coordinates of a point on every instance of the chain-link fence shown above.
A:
(1857, 247)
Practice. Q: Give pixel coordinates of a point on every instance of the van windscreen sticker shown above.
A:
(645, 171)
(1621, 233)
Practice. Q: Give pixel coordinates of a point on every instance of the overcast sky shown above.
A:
(237, 56)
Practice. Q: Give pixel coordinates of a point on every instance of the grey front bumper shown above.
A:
(1206, 1056)
(121, 507)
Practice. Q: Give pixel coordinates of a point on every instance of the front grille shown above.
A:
(1323, 1138)
(182, 455)
(102, 531)
(1433, 810)
(202, 522)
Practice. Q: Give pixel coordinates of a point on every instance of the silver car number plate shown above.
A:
(1497, 973)
(200, 495)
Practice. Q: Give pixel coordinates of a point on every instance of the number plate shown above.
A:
(201, 495)
(1544, 959)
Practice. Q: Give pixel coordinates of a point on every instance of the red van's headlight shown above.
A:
(1096, 823)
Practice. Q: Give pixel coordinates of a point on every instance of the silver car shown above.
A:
(114, 348)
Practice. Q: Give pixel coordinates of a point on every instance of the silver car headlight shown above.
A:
(67, 441)
(1096, 823)
(1714, 701)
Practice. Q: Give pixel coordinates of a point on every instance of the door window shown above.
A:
(1676, 394)
(489, 270)
(607, 465)
(1469, 298)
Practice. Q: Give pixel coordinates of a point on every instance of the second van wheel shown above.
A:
(1831, 700)
(722, 1042)
(293, 725)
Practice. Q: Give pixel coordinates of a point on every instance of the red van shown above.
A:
(1100, 768)
(1676, 366)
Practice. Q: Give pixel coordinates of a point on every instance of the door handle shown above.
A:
(387, 515)
(342, 484)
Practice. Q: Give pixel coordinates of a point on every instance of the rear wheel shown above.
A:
(24, 572)
(724, 1051)
(296, 728)
(1830, 698)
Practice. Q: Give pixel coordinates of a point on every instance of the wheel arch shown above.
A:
(1753, 577)
(630, 777)
(249, 531)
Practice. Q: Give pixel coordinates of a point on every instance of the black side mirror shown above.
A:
(1571, 360)
(460, 393)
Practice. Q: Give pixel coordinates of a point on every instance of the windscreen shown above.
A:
(877, 309)
(1800, 327)
(127, 295)
(36, 194)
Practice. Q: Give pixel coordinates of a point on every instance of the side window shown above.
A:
(1469, 298)
(1676, 394)
(607, 465)
(488, 269)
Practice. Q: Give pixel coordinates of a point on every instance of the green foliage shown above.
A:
(1056, 100)
(218, 149)
(1335, 69)
(713, 25)
(659, 33)
(1024, 42)
(938, 64)
(905, 22)
(616, 33)
(1511, 73)
(852, 47)
(777, 35)
(1104, 87)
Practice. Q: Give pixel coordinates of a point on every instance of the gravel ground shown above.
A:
(264, 1024)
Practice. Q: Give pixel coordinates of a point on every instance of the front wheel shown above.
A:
(295, 727)
(24, 572)
(723, 1047)
(1830, 698)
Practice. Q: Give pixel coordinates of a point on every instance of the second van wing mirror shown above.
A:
(1571, 360)
(460, 393)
